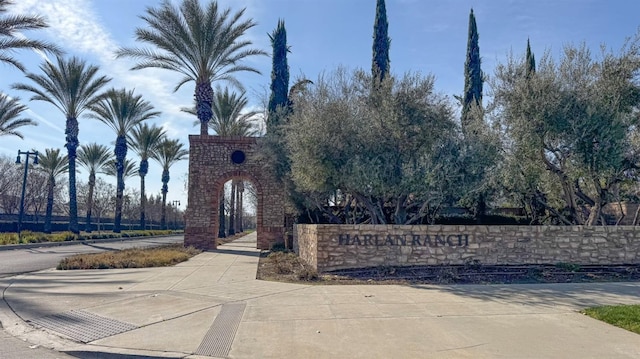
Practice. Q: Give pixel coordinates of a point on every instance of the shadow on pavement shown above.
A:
(576, 295)
(101, 355)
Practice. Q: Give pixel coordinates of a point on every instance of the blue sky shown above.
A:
(428, 36)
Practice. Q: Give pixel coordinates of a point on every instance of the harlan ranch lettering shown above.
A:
(450, 240)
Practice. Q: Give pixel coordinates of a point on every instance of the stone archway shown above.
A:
(213, 160)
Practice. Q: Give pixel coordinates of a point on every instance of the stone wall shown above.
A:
(332, 247)
(210, 167)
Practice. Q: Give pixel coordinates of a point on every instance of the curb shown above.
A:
(9, 247)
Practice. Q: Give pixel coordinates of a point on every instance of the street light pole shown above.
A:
(175, 213)
(24, 183)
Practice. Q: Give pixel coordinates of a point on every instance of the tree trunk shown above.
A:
(401, 211)
(232, 209)
(600, 202)
(165, 189)
(47, 219)
(594, 215)
(121, 154)
(92, 184)
(144, 167)
(204, 99)
(72, 144)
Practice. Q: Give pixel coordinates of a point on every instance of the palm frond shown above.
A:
(94, 157)
(52, 163)
(10, 121)
(11, 25)
(130, 169)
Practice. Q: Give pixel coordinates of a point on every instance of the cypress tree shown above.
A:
(279, 74)
(530, 61)
(472, 73)
(381, 42)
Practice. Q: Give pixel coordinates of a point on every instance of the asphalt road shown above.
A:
(18, 261)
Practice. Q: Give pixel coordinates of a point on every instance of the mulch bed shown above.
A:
(494, 274)
(450, 274)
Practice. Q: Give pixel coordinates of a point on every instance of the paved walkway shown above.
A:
(212, 306)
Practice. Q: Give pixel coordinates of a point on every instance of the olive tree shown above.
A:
(370, 153)
(569, 128)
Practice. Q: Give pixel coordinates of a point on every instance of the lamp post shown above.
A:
(24, 182)
(175, 204)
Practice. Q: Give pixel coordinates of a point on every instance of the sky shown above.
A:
(427, 36)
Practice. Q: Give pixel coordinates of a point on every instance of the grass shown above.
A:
(130, 258)
(623, 316)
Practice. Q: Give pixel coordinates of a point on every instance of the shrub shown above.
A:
(278, 247)
(8, 238)
(130, 258)
(307, 273)
(62, 237)
(38, 237)
(283, 262)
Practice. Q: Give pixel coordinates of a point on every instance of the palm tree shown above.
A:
(10, 25)
(53, 164)
(122, 111)
(168, 153)
(202, 44)
(10, 110)
(71, 86)
(129, 169)
(94, 158)
(144, 141)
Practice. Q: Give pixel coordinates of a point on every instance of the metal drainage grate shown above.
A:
(217, 342)
(82, 325)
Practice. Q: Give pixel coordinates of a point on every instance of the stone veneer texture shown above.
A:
(333, 247)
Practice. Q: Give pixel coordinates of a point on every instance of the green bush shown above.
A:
(38, 237)
(63, 237)
(8, 238)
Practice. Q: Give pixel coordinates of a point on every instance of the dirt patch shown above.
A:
(287, 267)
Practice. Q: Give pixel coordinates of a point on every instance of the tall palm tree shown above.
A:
(10, 111)
(94, 158)
(54, 165)
(144, 141)
(203, 44)
(168, 153)
(10, 25)
(71, 86)
(122, 111)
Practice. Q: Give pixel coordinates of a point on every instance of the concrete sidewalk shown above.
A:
(212, 306)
